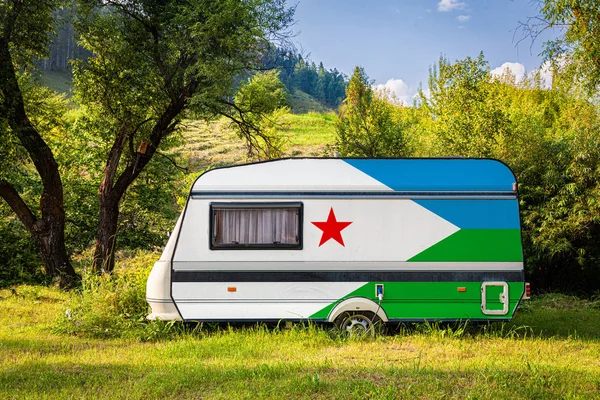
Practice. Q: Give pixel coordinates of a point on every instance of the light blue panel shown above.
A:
(438, 174)
(476, 214)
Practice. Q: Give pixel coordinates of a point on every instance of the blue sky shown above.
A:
(396, 41)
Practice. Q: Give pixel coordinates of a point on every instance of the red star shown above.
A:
(332, 229)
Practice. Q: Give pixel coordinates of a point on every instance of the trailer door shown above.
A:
(494, 298)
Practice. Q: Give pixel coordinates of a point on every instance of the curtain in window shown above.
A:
(256, 226)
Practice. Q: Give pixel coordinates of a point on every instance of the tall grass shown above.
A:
(107, 350)
(112, 305)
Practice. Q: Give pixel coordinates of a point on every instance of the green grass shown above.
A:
(215, 144)
(60, 81)
(528, 358)
(302, 103)
(564, 316)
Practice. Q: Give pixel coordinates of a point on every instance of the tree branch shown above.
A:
(11, 20)
(16, 203)
(182, 169)
(164, 125)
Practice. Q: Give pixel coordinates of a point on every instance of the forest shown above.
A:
(297, 72)
(102, 172)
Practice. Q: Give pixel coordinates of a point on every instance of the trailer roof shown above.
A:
(363, 175)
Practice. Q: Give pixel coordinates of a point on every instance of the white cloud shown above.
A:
(516, 69)
(463, 18)
(399, 89)
(544, 72)
(450, 5)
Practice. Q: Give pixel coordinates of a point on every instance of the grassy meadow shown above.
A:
(95, 343)
(550, 350)
(215, 144)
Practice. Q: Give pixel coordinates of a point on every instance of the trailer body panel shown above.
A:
(293, 239)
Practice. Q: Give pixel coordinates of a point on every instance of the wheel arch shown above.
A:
(357, 304)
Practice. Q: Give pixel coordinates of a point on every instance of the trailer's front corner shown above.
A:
(158, 286)
(158, 293)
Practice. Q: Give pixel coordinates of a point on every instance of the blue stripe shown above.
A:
(476, 214)
(438, 174)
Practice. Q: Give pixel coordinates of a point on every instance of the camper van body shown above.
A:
(315, 239)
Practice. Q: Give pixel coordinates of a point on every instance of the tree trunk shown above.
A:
(48, 235)
(47, 231)
(106, 235)
(51, 244)
(113, 188)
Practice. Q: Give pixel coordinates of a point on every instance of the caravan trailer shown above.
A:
(343, 240)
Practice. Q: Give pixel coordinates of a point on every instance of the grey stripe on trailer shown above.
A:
(347, 276)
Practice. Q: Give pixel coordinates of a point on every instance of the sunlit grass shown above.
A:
(301, 103)
(310, 134)
(423, 361)
(215, 144)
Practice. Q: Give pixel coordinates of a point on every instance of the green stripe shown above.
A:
(476, 245)
(433, 300)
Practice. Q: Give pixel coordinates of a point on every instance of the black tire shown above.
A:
(359, 323)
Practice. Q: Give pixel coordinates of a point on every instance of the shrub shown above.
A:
(111, 305)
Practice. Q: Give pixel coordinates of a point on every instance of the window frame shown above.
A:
(255, 206)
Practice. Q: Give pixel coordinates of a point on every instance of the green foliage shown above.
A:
(264, 92)
(577, 48)
(152, 205)
(27, 25)
(550, 140)
(369, 125)
(260, 105)
(111, 305)
(19, 259)
(299, 74)
(556, 155)
(152, 63)
(45, 110)
(469, 121)
(147, 52)
(31, 23)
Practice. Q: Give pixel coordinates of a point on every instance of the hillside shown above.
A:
(302, 103)
(215, 144)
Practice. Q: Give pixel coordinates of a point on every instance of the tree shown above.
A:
(468, 121)
(151, 61)
(368, 125)
(25, 28)
(557, 162)
(577, 47)
(259, 105)
(550, 140)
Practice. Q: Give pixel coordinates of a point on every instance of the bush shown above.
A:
(113, 305)
(19, 258)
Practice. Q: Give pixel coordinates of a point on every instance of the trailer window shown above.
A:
(256, 226)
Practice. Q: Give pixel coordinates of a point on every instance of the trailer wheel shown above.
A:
(358, 323)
